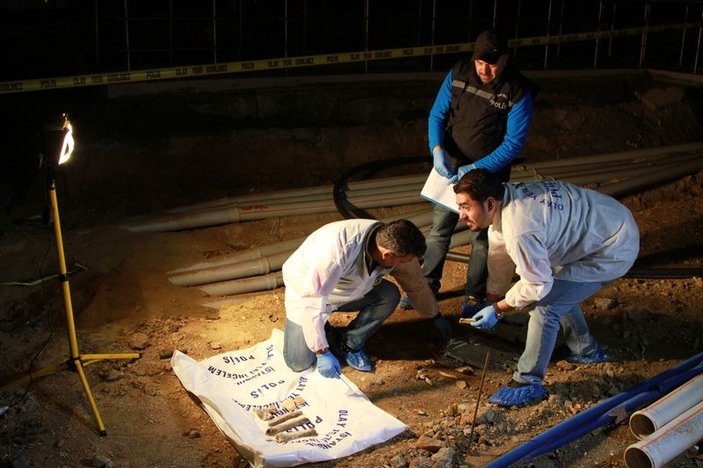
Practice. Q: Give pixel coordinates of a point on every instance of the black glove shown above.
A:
(443, 327)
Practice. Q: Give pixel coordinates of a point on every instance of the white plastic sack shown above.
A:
(231, 386)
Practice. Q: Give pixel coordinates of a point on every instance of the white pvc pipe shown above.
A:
(270, 281)
(652, 418)
(259, 266)
(616, 166)
(419, 218)
(668, 442)
(251, 268)
(631, 171)
(235, 214)
(246, 255)
(657, 175)
(221, 214)
(241, 286)
(597, 167)
(305, 193)
(634, 154)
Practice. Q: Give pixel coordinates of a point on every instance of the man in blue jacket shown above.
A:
(480, 119)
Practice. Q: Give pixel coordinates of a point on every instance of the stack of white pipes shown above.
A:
(259, 268)
(614, 173)
(667, 427)
(391, 191)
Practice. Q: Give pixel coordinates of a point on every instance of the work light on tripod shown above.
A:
(56, 147)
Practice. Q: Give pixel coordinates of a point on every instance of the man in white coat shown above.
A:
(340, 267)
(565, 243)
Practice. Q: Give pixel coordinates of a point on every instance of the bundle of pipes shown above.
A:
(668, 427)
(615, 174)
(376, 193)
(259, 268)
(612, 410)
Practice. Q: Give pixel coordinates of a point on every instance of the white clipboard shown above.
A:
(438, 190)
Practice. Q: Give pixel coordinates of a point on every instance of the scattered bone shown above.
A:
(288, 436)
(284, 417)
(466, 320)
(293, 404)
(288, 405)
(287, 425)
(299, 401)
(266, 413)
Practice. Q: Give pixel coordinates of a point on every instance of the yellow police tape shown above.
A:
(77, 81)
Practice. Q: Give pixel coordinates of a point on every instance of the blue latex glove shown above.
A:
(486, 318)
(461, 172)
(328, 365)
(442, 163)
(443, 327)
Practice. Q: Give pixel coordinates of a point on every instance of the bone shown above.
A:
(288, 405)
(288, 436)
(266, 413)
(285, 417)
(299, 401)
(287, 425)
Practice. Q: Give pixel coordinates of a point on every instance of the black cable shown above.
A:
(635, 272)
(20, 398)
(663, 273)
(339, 192)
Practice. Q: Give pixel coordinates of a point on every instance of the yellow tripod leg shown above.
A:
(89, 396)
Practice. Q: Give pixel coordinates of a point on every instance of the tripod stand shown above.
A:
(76, 362)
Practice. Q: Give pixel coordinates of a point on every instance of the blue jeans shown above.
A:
(374, 308)
(560, 306)
(443, 223)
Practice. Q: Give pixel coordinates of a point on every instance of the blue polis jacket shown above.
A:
(487, 124)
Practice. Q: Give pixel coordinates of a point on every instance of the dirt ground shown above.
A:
(137, 155)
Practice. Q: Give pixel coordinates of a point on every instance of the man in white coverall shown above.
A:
(340, 267)
(565, 243)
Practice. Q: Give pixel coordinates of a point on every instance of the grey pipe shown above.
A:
(230, 214)
(657, 175)
(249, 254)
(634, 154)
(622, 174)
(235, 214)
(664, 158)
(419, 218)
(241, 286)
(303, 194)
(585, 169)
(259, 266)
(275, 280)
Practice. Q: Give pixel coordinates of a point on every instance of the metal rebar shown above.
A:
(478, 399)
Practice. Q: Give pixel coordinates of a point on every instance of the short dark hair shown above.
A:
(401, 237)
(480, 184)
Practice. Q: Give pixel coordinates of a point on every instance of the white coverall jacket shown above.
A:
(550, 229)
(331, 268)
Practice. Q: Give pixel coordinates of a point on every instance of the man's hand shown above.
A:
(441, 162)
(486, 318)
(443, 327)
(461, 172)
(328, 365)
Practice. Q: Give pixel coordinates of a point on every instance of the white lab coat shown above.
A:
(550, 229)
(331, 268)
